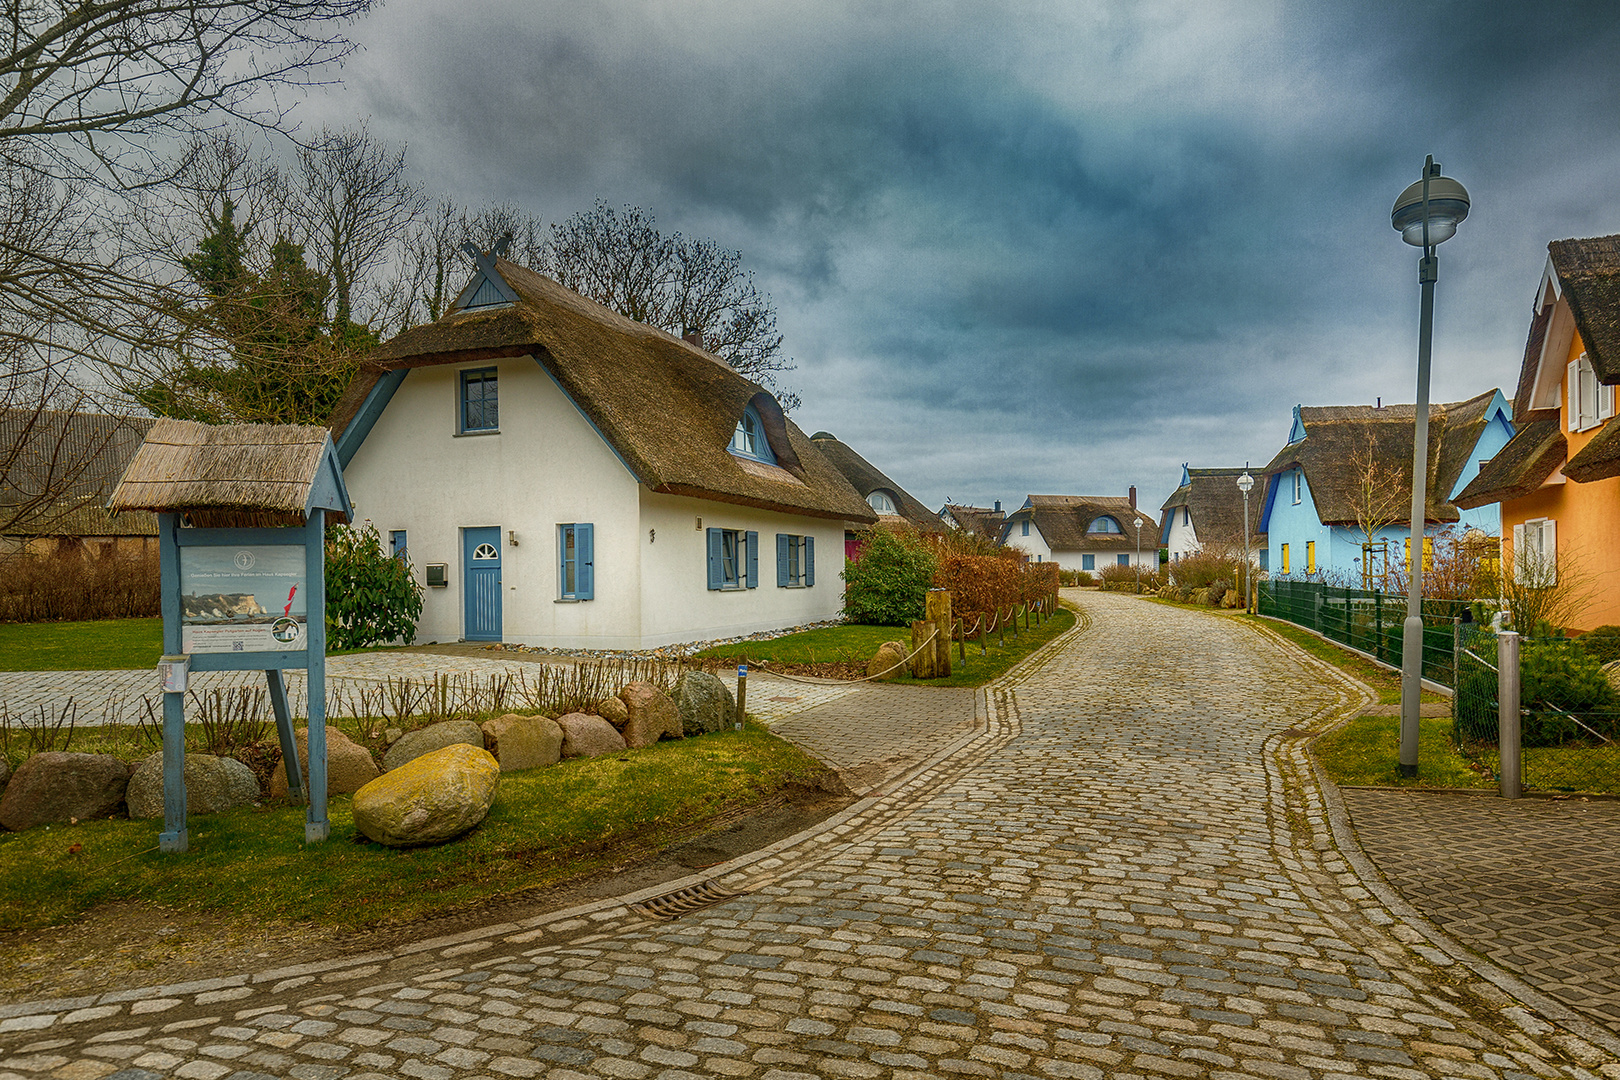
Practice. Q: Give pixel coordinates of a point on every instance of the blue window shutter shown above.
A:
(584, 551)
(753, 560)
(562, 560)
(809, 560)
(782, 542)
(717, 579)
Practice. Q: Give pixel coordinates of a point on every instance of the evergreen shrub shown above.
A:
(371, 596)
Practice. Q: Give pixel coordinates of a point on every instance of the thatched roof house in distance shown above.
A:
(59, 467)
(577, 479)
(1348, 466)
(975, 519)
(1556, 485)
(1083, 532)
(1206, 510)
(892, 503)
(234, 475)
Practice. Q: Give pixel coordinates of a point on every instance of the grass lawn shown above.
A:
(856, 644)
(546, 825)
(1385, 683)
(101, 645)
(1366, 751)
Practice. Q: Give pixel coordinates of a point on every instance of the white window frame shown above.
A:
(1590, 402)
(1540, 537)
(1299, 485)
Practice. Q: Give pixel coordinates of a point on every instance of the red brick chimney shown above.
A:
(1133, 496)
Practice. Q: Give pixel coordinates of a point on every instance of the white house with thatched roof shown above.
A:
(562, 476)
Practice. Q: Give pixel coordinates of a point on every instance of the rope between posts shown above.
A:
(932, 634)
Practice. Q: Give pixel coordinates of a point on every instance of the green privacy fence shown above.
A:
(1369, 620)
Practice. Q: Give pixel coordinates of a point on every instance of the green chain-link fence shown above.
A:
(1569, 716)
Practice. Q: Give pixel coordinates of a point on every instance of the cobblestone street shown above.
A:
(1124, 868)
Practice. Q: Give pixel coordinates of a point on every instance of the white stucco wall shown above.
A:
(546, 466)
(677, 604)
(1182, 538)
(1035, 544)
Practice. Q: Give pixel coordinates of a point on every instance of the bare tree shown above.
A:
(672, 282)
(360, 205)
(98, 102)
(1382, 494)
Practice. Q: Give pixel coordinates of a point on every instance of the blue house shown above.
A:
(1339, 495)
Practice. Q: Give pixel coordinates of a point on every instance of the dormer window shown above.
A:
(882, 502)
(1590, 402)
(1104, 525)
(749, 439)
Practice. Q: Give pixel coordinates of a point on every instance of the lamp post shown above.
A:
(1139, 555)
(1426, 215)
(1245, 484)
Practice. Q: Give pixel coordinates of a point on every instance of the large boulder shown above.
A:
(213, 784)
(349, 766)
(523, 742)
(652, 715)
(429, 799)
(889, 662)
(5, 774)
(585, 735)
(613, 711)
(414, 744)
(59, 786)
(704, 703)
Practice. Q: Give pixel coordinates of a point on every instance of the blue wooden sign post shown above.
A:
(241, 598)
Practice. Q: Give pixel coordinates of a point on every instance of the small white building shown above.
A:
(559, 475)
(1083, 532)
(1206, 510)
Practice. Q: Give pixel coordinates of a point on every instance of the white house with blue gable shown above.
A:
(560, 475)
(1346, 472)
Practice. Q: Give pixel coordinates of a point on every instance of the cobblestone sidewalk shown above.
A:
(115, 696)
(1125, 872)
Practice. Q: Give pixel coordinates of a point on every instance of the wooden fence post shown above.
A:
(937, 610)
(922, 662)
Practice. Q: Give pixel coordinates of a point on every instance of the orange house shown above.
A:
(1558, 479)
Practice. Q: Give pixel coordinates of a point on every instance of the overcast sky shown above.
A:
(1043, 247)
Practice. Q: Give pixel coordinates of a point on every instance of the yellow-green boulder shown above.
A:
(429, 799)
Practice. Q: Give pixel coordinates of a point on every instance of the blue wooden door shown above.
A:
(481, 555)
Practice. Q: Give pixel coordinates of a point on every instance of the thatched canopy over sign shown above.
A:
(235, 475)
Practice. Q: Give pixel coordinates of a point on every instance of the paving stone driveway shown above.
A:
(1124, 872)
(1533, 884)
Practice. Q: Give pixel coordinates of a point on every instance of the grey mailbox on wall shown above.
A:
(437, 575)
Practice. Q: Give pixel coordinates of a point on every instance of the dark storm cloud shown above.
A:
(1019, 249)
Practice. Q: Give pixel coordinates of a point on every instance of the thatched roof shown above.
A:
(1212, 498)
(1589, 272)
(1522, 412)
(665, 406)
(1065, 521)
(976, 519)
(59, 469)
(1341, 441)
(865, 478)
(234, 474)
(1520, 467)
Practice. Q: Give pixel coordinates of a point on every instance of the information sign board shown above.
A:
(240, 599)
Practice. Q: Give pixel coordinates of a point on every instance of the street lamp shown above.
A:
(1245, 484)
(1139, 555)
(1426, 215)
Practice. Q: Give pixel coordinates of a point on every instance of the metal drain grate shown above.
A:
(684, 901)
